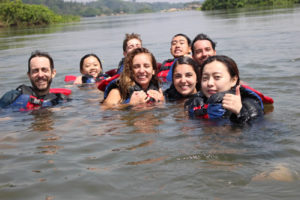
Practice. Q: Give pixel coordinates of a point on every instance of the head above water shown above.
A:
(180, 45)
(218, 74)
(41, 72)
(38, 53)
(139, 67)
(185, 76)
(131, 42)
(89, 63)
(202, 48)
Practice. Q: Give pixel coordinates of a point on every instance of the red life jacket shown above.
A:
(28, 101)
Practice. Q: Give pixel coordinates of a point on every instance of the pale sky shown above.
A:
(170, 1)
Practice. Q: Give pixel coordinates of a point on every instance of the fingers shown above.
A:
(232, 102)
(237, 90)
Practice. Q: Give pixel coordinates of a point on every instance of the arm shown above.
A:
(244, 109)
(78, 80)
(8, 98)
(251, 109)
(113, 98)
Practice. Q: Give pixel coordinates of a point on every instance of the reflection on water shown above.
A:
(80, 150)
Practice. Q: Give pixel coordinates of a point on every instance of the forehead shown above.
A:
(142, 57)
(91, 59)
(133, 41)
(39, 62)
(179, 38)
(181, 68)
(202, 44)
(215, 67)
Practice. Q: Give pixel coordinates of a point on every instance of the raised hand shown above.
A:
(233, 102)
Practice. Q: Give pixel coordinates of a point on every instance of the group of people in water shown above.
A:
(209, 84)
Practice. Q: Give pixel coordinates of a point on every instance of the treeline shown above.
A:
(17, 13)
(102, 7)
(229, 4)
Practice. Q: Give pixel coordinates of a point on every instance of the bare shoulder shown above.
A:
(113, 98)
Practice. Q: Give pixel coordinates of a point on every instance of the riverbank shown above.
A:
(17, 13)
(232, 4)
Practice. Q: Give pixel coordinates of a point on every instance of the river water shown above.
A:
(80, 151)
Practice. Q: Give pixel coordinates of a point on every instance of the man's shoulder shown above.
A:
(9, 97)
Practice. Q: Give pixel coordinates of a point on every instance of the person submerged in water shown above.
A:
(221, 96)
(40, 73)
(138, 83)
(184, 79)
(91, 70)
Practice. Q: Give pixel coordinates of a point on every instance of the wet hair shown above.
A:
(202, 36)
(89, 55)
(183, 35)
(38, 53)
(130, 37)
(188, 61)
(127, 76)
(228, 62)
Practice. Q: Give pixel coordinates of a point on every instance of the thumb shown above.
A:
(237, 90)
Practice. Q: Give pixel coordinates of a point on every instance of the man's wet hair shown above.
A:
(202, 36)
(38, 53)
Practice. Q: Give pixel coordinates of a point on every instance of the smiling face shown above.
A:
(91, 66)
(142, 69)
(180, 46)
(202, 50)
(132, 44)
(185, 79)
(41, 75)
(216, 78)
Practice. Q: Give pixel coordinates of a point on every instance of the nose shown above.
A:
(210, 82)
(183, 79)
(142, 69)
(40, 73)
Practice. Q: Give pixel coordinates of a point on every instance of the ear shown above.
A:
(53, 73)
(215, 53)
(233, 81)
(124, 53)
(28, 74)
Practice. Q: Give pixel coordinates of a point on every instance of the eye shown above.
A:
(177, 76)
(135, 66)
(204, 78)
(189, 75)
(35, 71)
(217, 77)
(198, 51)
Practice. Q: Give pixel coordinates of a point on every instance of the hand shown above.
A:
(233, 102)
(78, 80)
(138, 97)
(157, 95)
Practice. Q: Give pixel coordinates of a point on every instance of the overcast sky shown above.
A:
(170, 1)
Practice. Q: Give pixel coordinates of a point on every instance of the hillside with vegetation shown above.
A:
(17, 13)
(103, 7)
(230, 4)
(44, 12)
